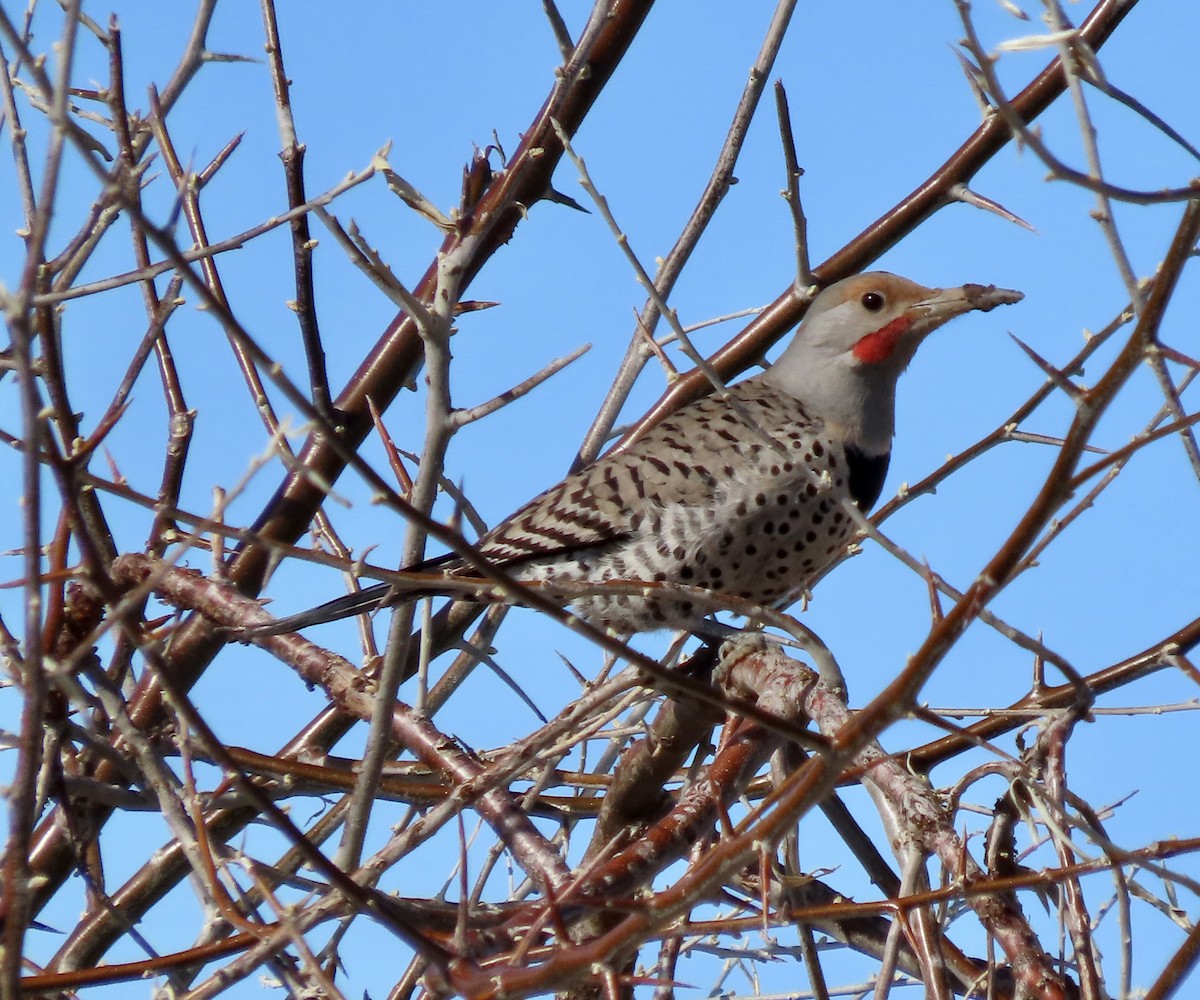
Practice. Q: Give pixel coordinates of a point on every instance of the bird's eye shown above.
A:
(873, 301)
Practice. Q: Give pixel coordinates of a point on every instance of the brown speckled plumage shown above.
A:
(700, 500)
(744, 495)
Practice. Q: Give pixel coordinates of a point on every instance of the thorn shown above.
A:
(473, 305)
(1035, 43)
(511, 683)
(974, 77)
(415, 200)
(1055, 442)
(1055, 376)
(575, 672)
(969, 197)
(181, 191)
(672, 372)
(558, 198)
(935, 602)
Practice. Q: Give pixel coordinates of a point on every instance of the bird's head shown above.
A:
(857, 338)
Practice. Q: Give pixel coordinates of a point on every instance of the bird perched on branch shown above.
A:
(743, 493)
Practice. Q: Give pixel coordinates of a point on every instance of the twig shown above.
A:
(643, 279)
(1103, 214)
(557, 25)
(804, 276)
(292, 156)
(460, 418)
(200, 253)
(1010, 114)
(22, 794)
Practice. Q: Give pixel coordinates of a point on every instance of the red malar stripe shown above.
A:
(878, 346)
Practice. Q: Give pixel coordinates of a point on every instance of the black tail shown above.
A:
(357, 603)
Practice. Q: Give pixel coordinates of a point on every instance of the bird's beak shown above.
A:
(946, 303)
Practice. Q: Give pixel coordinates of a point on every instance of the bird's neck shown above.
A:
(861, 412)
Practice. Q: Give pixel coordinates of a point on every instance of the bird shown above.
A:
(743, 493)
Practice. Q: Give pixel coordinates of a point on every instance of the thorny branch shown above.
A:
(639, 831)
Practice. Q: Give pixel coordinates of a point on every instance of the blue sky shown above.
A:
(878, 101)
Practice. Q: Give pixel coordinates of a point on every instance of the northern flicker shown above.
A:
(741, 494)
